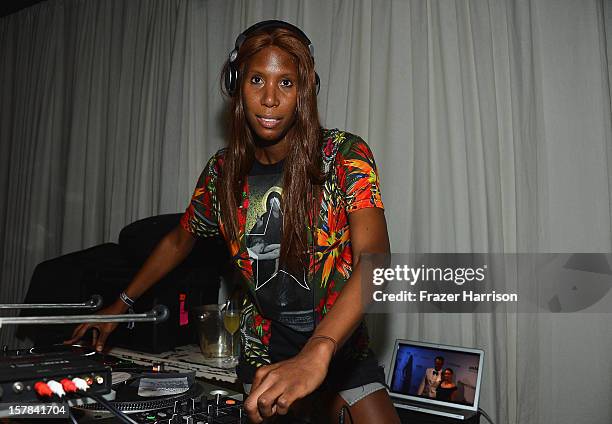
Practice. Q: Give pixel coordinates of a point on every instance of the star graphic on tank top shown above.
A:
(270, 252)
(259, 284)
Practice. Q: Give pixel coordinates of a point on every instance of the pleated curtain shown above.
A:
(489, 120)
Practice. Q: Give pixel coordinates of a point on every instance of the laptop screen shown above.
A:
(436, 374)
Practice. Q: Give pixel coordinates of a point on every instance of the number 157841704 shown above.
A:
(34, 410)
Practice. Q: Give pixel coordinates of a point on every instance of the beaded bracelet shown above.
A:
(126, 299)
(130, 303)
(331, 339)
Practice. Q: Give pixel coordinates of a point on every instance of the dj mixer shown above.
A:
(208, 411)
(144, 394)
(188, 410)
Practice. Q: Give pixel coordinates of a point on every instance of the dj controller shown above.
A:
(187, 410)
(144, 394)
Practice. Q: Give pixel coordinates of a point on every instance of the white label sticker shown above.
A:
(150, 387)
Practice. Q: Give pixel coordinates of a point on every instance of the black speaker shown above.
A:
(108, 268)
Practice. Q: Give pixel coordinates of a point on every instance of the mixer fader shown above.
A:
(217, 410)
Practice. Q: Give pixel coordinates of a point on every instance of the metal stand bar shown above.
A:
(94, 303)
(158, 314)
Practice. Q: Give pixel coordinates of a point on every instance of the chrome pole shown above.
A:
(159, 313)
(94, 303)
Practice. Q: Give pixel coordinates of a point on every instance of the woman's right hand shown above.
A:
(101, 330)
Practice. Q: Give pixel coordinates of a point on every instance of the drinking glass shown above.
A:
(213, 338)
(231, 322)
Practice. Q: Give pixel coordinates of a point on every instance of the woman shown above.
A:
(446, 390)
(301, 327)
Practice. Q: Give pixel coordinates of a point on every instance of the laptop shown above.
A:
(436, 379)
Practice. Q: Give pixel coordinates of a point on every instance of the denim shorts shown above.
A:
(350, 396)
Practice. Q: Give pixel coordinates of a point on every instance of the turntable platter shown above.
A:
(198, 404)
(76, 349)
(129, 395)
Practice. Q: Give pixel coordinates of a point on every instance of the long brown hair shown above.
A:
(302, 173)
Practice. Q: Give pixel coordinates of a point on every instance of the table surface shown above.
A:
(182, 358)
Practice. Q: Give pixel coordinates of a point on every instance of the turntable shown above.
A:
(146, 396)
(163, 398)
(90, 382)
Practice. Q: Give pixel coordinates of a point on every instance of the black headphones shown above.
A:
(231, 74)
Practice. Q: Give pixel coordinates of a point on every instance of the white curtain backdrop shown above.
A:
(490, 122)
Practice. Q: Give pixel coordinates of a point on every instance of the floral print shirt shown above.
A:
(351, 184)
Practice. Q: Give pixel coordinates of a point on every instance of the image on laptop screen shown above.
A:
(436, 374)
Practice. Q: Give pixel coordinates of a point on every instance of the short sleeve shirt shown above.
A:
(351, 183)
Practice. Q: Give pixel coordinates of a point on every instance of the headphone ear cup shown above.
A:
(231, 79)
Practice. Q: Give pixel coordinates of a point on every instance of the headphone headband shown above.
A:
(272, 23)
(231, 75)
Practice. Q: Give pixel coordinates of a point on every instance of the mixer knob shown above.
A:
(18, 387)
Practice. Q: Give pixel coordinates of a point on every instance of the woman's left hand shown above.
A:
(276, 387)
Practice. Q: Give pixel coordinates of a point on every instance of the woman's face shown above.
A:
(447, 376)
(269, 93)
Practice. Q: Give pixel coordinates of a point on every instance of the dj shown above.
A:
(297, 205)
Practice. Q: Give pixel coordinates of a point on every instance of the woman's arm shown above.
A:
(277, 386)
(169, 252)
(368, 235)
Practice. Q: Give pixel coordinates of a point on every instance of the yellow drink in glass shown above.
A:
(231, 321)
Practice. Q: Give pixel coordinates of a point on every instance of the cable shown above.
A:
(485, 415)
(341, 417)
(71, 416)
(111, 408)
